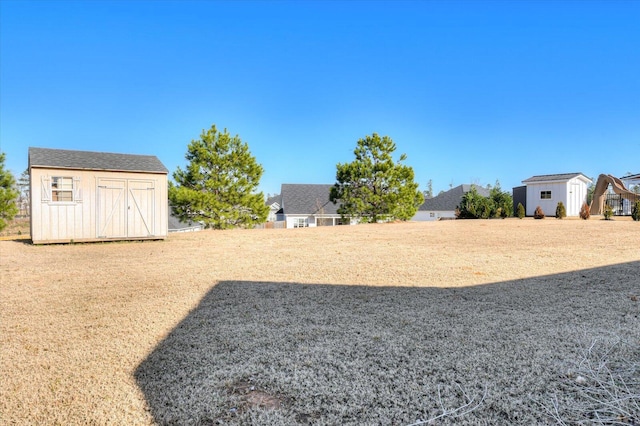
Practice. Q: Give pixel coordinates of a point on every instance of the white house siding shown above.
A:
(291, 220)
(312, 221)
(106, 205)
(425, 216)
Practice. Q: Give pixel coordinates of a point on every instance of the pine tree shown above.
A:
(561, 211)
(373, 187)
(475, 206)
(8, 195)
(502, 201)
(520, 212)
(218, 186)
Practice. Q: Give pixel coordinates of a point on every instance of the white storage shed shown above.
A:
(547, 190)
(96, 196)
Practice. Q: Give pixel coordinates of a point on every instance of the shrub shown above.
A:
(635, 213)
(585, 213)
(475, 206)
(607, 212)
(538, 214)
(520, 210)
(502, 202)
(561, 211)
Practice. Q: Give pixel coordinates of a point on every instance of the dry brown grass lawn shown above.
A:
(78, 321)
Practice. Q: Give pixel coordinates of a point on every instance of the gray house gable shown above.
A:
(88, 160)
(450, 200)
(307, 199)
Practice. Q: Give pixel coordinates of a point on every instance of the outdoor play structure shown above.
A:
(624, 200)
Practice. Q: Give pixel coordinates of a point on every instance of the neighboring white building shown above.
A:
(631, 180)
(547, 190)
(96, 196)
(444, 205)
(274, 206)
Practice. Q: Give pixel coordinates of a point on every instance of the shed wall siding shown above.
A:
(78, 220)
(558, 193)
(572, 193)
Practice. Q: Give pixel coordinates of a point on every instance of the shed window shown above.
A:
(61, 188)
(545, 195)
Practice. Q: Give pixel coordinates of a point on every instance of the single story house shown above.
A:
(547, 191)
(96, 196)
(307, 205)
(444, 205)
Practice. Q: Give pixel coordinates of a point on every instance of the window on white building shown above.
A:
(300, 222)
(545, 195)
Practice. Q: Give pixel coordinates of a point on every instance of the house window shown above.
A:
(432, 214)
(300, 222)
(61, 189)
(545, 195)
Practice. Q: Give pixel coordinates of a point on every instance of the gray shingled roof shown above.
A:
(175, 224)
(553, 178)
(307, 199)
(87, 160)
(274, 199)
(448, 201)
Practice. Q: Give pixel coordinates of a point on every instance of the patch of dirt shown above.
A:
(253, 397)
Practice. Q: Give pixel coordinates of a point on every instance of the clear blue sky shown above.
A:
(471, 91)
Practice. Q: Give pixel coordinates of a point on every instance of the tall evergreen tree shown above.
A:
(218, 186)
(502, 201)
(8, 195)
(374, 187)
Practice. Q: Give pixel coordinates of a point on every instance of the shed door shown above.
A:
(126, 208)
(112, 208)
(575, 200)
(141, 208)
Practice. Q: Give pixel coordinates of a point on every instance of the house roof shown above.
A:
(273, 200)
(448, 201)
(175, 224)
(307, 199)
(88, 160)
(563, 177)
(631, 176)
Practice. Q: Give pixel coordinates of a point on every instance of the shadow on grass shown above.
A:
(286, 353)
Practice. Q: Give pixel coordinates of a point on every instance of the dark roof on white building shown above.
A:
(448, 201)
(631, 177)
(307, 199)
(563, 177)
(88, 160)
